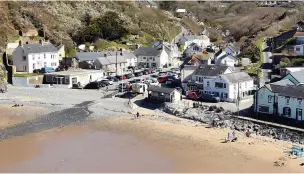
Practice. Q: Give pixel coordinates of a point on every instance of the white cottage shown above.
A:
(149, 57)
(28, 57)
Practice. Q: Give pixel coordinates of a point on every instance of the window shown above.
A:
(144, 57)
(208, 83)
(67, 80)
(225, 95)
(224, 85)
(297, 48)
(270, 99)
(44, 64)
(234, 87)
(153, 58)
(299, 112)
(287, 100)
(286, 111)
(24, 58)
(34, 66)
(264, 109)
(24, 68)
(299, 101)
(219, 85)
(44, 56)
(196, 78)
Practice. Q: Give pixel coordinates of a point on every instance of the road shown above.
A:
(184, 30)
(264, 77)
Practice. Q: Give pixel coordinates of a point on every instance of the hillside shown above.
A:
(245, 19)
(66, 21)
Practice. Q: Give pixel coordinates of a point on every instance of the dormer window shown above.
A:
(299, 101)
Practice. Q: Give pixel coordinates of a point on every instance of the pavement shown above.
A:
(264, 77)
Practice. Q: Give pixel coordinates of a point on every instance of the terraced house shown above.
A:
(283, 98)
(28, 57)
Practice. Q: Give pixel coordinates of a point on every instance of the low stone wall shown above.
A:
(20, 81)
(218, 117)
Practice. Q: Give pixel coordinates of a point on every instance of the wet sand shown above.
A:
(14, 115)
(141, 145)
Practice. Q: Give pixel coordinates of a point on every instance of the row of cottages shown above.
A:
(28, 57)
(107, 60)
(202, 41)
(283, 98)
(159, 55)
(222, 81)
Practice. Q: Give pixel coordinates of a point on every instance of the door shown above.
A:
(299, 114)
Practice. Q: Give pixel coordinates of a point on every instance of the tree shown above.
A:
(112, 27)
(285, 62)
(168, 5)
(87, 18)
(251, 51)
(70, 51)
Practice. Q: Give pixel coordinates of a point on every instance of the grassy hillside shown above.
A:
(61, 20)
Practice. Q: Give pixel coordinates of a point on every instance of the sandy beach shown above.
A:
(103, 136)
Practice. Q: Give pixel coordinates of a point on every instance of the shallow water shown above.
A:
(76, 149)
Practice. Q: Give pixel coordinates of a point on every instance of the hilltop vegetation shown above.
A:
(87, 21)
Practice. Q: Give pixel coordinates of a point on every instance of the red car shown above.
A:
(162, 79)
(192, 95)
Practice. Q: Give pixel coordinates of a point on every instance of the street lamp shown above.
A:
(116, 58)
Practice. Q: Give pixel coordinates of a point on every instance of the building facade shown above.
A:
(29, 57)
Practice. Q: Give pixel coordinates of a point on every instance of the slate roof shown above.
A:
(148, 51)
(110, 60)
(234, 48)
(296, 91)
(39, 48)
(298, 75)
(210, 70)
(160, 89)
(237, 77)
(86, 56)
(283, 82)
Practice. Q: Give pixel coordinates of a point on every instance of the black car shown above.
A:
(145, 72)
(94, 85)
(114, 79)
(37, 71)
(210, 98)
(105, 82)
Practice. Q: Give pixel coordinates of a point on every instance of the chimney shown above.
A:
(20, 43)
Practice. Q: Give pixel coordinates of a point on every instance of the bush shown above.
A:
(252, 51)
(285, 62)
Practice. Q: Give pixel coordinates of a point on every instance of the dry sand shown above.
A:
(10, 116)
(139, 145)
(199, 149)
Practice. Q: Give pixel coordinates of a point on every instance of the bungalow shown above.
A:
(67, 79)
(111, 64)
(164, 94)
(226, 59)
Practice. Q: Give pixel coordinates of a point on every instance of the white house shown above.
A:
(28, 57)
(226, 59)
(172, 50)
(299, 50)
(203, 40)
(230, 86)
(152, 57)
(232, 50)
(195, 81)
(283, 98)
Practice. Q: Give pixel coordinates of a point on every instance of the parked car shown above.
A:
(37, 71)
(94, 85)
(114, 79)
(193, 95)
(139, 80)
(153, 71)
(121, 77)
(129, 76)
(145, 72)
(162, 79)
(210, 98)
(158, 70)
(47, 70)
(154, 76)
(138, 74)
(124, 86)
(108, 82)
(162, 73)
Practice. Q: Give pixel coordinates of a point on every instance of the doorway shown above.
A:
(299, 114)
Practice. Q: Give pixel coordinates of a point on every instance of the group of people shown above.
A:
(233, 138)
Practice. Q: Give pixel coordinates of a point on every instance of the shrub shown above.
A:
(285, 62)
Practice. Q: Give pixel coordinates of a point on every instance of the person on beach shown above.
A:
(233, 134)
(137, 115)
